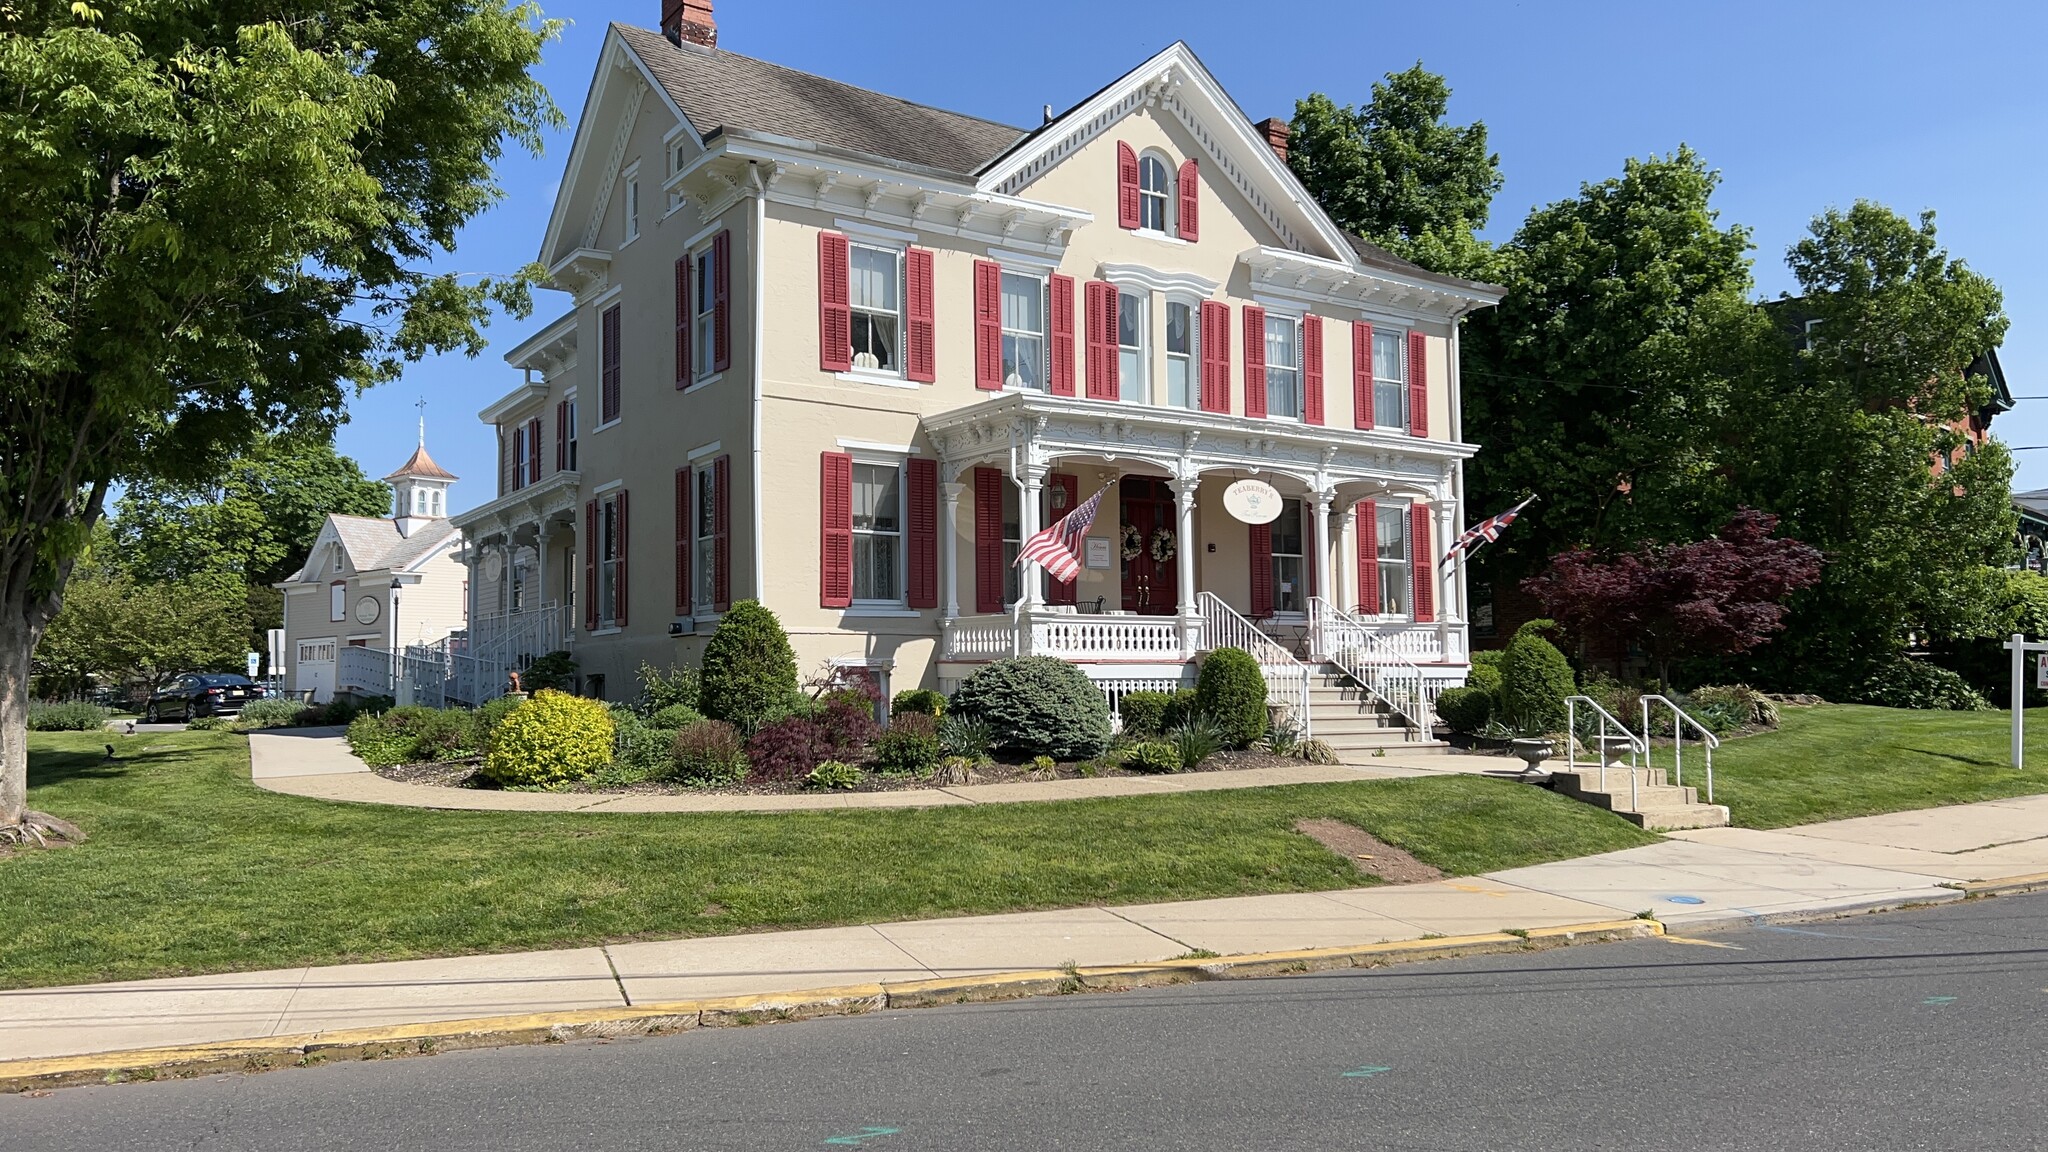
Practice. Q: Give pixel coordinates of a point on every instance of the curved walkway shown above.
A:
(316, 762)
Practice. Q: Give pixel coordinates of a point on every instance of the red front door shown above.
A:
(1148, 522)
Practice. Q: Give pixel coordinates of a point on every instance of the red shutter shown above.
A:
(1215, 356)
(683, 323)
(1361, 374)
(591, 546)
(835, 305)
(920, 359)
(1367, 517)
(1418, 385)
(1312, 369)
(1262, 570)
(1421, 556)
(562, 436)
(988, 539)
(923, 542)
(533, 454)
(1190, 187)
(835, 531)
(1127, 215)
(1056, 592)
(608, 398)
(721, 301)
(1254, 360)
(619, 566)
(1061, 377)
(683, 541)
(988, 325)
(1101, 382)
(721, 534)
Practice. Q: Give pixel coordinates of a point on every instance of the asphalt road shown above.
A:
(1905, 1031)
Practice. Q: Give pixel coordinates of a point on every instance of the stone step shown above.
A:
(1673, 818)
(1331, 726)
(1644, 799)
(1588, 779)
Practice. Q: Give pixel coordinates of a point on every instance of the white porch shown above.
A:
(521, 553)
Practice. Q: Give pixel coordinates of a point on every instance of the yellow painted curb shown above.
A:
(264, 1053)
(2005, 886)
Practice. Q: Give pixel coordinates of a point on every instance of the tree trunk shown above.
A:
(17, 643)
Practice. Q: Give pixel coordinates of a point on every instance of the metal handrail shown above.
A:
(1571, 742)
(1680, 718)
(1372, 675)
(1222, 627)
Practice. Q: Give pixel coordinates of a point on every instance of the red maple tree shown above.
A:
(1721, 596)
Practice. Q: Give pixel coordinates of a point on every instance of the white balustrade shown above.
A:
(1106, 637)
(1379, 660)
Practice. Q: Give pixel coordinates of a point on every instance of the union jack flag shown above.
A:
(1483, 533)
(1058, 548)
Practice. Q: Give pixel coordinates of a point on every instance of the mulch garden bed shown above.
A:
(463, 774)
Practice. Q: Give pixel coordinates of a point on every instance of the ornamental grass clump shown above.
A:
(551, 740)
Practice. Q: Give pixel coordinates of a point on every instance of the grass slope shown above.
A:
(193, 869)
(1840, 760)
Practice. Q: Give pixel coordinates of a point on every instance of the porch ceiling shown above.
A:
(1032, 430)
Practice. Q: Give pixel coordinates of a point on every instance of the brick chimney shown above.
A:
(689, 20)
(1276, 132)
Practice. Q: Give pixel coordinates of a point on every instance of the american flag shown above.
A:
(1484, 532)
(1058, 548)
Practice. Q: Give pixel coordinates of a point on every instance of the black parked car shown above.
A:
(201, 694)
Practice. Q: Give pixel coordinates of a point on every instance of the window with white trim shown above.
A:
(1183, 364)
(1396, 570)
(1134, 371)
(1389, 379)
(608, 556)
(1013, 540)
(1290, 560)
(1807, 332)
(878, 533)
(1023, 330)
(676, 159)
(632, 208)
(704, 546)
(875, 282)
(1283, 366)
(703, 326)
(572, 433)
(439, 506)
(1155, 193)
(519, 457)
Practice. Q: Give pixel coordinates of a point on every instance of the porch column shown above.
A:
(1322, 544)
(1344, 573)
(1031, 502)
(949, 545)
(1450, 620)
(1184, 488)
(543, 536)
(469, 600)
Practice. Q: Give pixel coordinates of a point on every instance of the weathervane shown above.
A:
(421, 404)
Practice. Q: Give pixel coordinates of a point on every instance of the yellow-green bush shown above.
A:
(552, 739)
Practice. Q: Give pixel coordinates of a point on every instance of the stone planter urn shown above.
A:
(1614, 750)
(1533, 750)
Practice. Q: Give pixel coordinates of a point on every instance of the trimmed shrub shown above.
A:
(552, 739)
(967, 737)
(922, 701)
(69, 716)
(1181, 707)
(784, 751)
(1144, 713)
(1485, 674)
(833, 774)
(908, 747)
(1726, 707)
(675, 717)
(271, 713)
(554, 672)
(709, 754)
(376, 744)
(661, 690)
(749, 668)
(1465, 709)
(1535, 679)
(1152, 756)
(1231, 692)
(1037, 705)
(1919, 684)
(1197, 739)
(430, 735)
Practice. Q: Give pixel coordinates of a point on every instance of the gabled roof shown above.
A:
(718, 90)
(421, 465)
(373, 544)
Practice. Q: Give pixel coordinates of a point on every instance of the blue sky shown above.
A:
(1799, 105)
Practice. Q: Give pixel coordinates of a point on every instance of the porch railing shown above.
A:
(502, 644)
(1106, 637)
(1377, 662)
(1286, 677)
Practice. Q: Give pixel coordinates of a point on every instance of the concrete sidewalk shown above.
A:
(1689, 882)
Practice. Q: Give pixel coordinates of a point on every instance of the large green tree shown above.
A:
(221, 217)
(1394, 172)
(113, 625)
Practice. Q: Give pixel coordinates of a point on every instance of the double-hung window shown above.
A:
(704, 303)
(704, 543)
(1013, 543)
(1283, 366)
(519, 478)
(1155, 192)
(1290, 593)
(1389, 380)
(875, 285)
(1395, 571)
(1183, 382)
(571, 434)
(1023, 331)
(632, 208)
(1133, 369)
(878, 533)
(608, 557)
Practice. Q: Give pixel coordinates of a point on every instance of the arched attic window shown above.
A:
(1155, 193)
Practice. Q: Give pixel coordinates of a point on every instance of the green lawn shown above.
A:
(190, 868)
(1840, 760)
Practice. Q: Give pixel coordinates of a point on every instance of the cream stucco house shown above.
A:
(842, 353)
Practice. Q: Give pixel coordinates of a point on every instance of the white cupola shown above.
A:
(420, 491)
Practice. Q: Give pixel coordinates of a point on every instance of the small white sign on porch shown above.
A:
(1098, 552)
(1252, 501)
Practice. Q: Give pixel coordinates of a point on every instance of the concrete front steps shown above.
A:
(1657, 804)
(1353, 722)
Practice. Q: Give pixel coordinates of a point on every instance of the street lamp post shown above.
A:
(397, 658)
